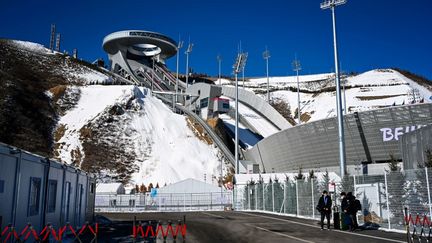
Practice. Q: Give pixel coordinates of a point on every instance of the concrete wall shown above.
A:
(27, 179)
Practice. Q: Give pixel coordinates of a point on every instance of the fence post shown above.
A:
(248, 196)
(313, 200)
(428, 190)
(387, 199)
(273, 206)
(297, 199)
(263, 189)
(256, 197)
(184, 201)
(355, 188)
(285, 202)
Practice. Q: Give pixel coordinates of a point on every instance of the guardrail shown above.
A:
(170, 77)
(212, 134)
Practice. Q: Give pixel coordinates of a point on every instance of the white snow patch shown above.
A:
(30, 46)
(167, 150)
(176, 153)
(93, 101)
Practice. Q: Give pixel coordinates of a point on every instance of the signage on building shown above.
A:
(390, 134)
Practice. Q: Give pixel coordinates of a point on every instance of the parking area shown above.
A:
(252, 227)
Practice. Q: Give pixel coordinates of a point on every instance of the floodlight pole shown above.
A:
(242, 66)
(236, 125)
(238, 66)
(243, 78)
(266, 56)
(219, 59)
(188, 51)
(325, 5)
(297, 68)
(179, 46)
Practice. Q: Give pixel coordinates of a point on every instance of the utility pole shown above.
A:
(332, 5)
(188, 51)
(297, 67)
(219, 59)
(266, 56)
(179, 46)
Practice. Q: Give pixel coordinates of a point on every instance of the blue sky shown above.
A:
(372, 34)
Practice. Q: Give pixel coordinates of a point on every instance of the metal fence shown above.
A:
(383, 197)
(163, 202)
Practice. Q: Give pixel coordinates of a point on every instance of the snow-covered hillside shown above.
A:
(370, 90)
(74, 73)
(161, 146)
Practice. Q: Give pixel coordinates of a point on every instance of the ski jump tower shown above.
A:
(139, 56)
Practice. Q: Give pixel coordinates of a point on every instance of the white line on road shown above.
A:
(304, 224)
(281, 234)
(213, 215)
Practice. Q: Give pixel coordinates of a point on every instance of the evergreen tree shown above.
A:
(143, 188)
(291, 200)
(268, 203)
(278, 194)
(300, 175)
(259, 191)
(325, 182)
(393, 164)
(395, 181)
(428, 158)
(150, 186)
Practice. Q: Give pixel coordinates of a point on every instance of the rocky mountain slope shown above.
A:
(54, 105)
(27, 71)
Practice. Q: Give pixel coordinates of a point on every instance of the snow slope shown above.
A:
(165, 149)
(370, 90)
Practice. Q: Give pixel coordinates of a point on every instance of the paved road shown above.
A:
(257, 227)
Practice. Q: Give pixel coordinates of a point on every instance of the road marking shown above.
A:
(213, 215)
(304, 224)
(281, 234)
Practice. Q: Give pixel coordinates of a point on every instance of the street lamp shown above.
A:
(219, 59)
(326, 5)
(179, 46)
(238, 66)
(296, 68)
(266, 56)
(188, 51)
